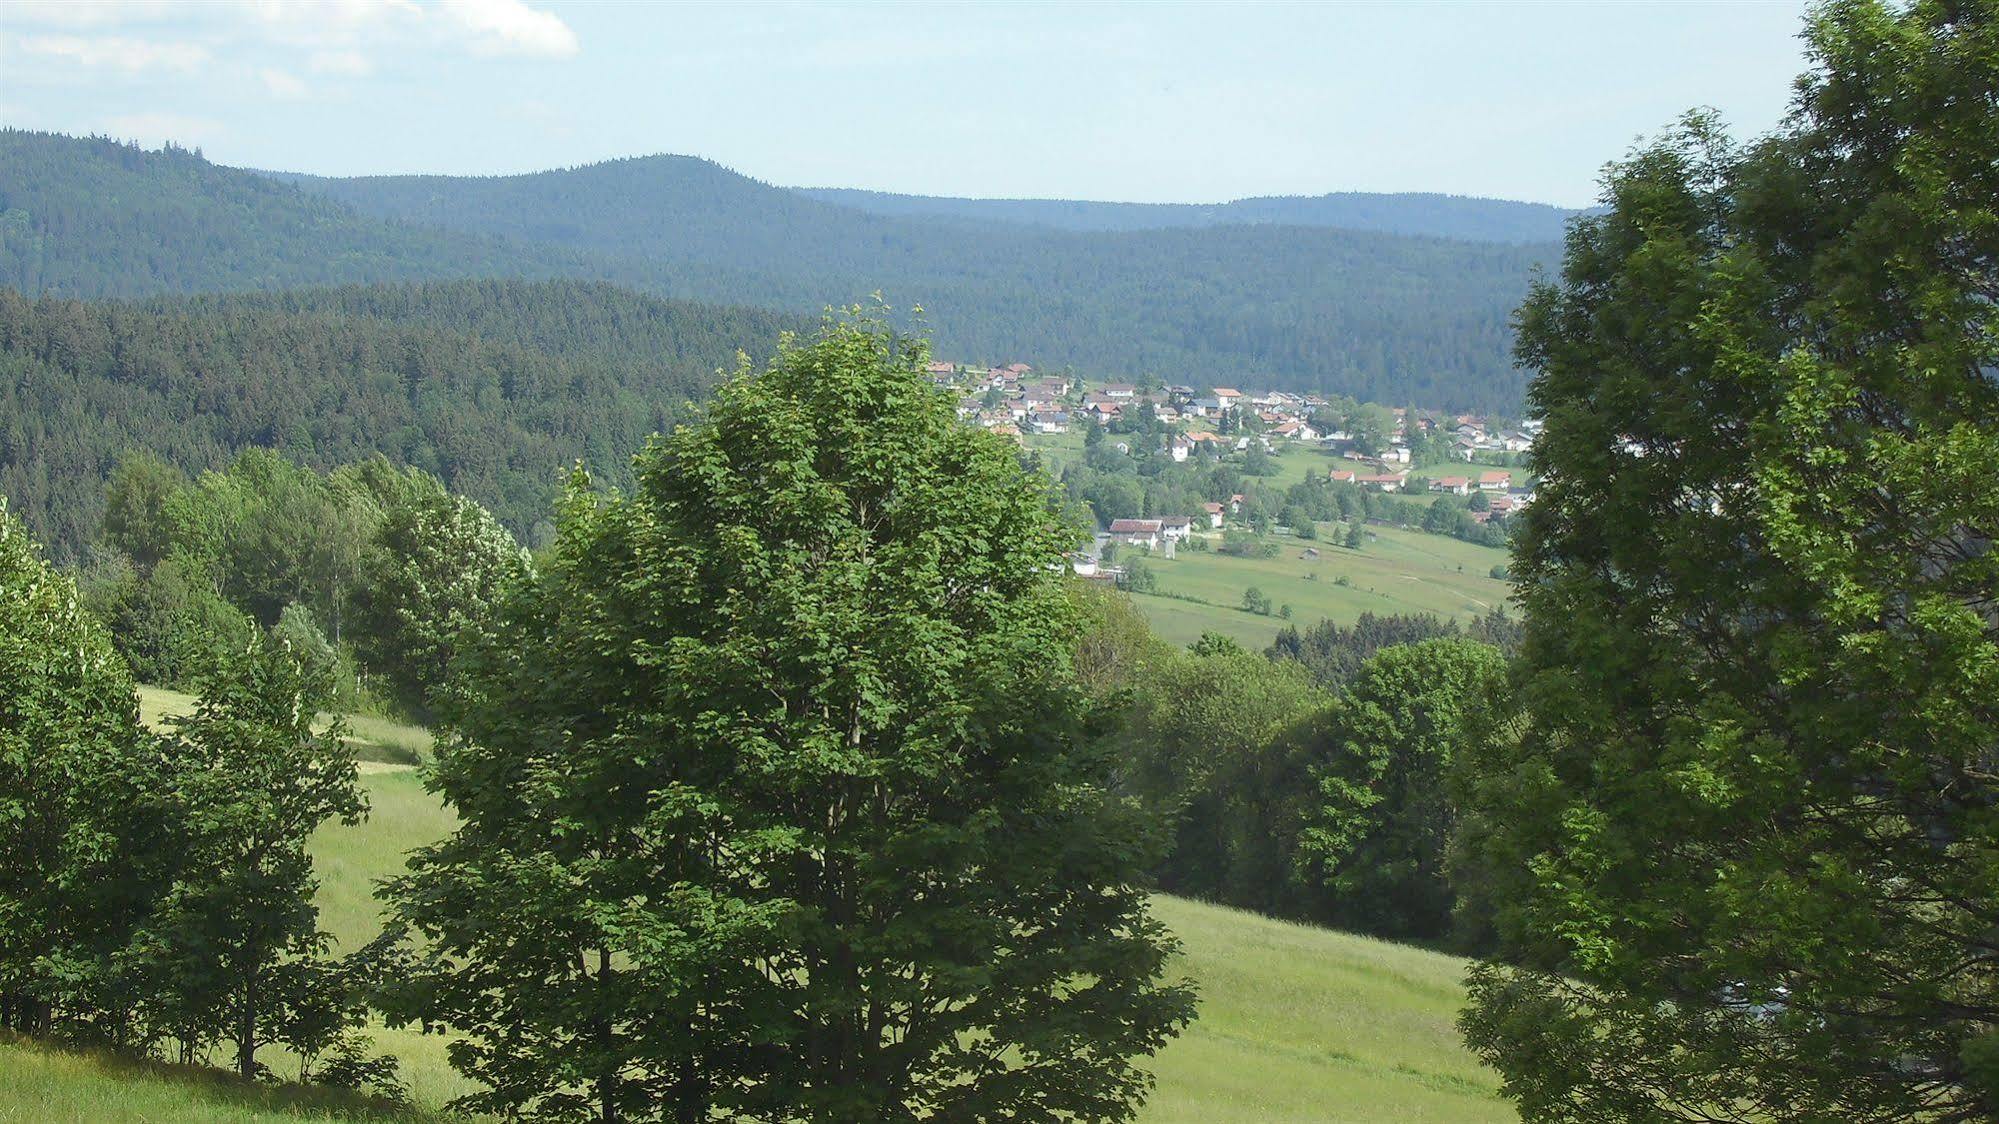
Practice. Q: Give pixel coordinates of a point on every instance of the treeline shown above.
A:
(156, 894)
(1428, 215)
(1313, 781)
(367, 573)
(1378, 316)
(493, 387)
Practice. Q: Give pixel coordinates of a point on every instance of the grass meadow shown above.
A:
(1394, 572)
(1297, 1024)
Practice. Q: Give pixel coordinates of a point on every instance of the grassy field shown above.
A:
(374, 739)
(1297, 1024)
(1395, 572)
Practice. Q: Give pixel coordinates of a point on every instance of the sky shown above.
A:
(1154, 102)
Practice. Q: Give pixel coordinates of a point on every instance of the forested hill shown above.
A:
(1381, 316)
(496, 387)
(1376, 316)
(1414, 213)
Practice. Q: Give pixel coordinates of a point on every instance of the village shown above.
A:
(1381, 449)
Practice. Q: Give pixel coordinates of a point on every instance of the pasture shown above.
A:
(1297, 1024)
(1395, 571)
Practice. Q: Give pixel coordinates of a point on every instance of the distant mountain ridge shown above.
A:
(1420, 214)
(1381, 316)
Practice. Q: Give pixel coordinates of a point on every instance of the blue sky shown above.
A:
(1154, 102)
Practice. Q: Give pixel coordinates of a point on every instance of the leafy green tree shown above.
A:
(1356, 537)
(235, 952)
(1254, 600)
(437, 566)
(84, 831)
(1200, 722)
(1370, 427)
(775, 797)
(1744, 856)
(1377, 834)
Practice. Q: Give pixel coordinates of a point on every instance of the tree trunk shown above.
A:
(246, 1030)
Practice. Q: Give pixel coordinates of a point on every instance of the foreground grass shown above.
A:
(1297, 1024)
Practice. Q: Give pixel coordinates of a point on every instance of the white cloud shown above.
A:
(344, 64)
(510, 27)
(283, 84)
(129, 55)
(154, 129)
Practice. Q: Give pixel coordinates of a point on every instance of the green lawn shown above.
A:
(1395, 572)
(374, 739)
(1297, 1024)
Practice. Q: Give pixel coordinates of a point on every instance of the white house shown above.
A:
(1176, 527)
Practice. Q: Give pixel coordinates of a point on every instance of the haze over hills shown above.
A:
(1389, 317)
(1416, 213)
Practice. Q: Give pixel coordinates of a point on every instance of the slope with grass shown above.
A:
(1297, 1024)
(1395, 572)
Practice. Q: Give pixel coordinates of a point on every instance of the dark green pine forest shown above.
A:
(1378, 316)
(492, 386)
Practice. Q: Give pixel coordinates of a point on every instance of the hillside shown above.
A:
(1297, 1024)
(1376, 315)
(1414, 213)
(494, 387)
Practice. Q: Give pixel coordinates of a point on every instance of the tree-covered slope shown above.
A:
(495, 387)
(1377, 316)
(1415, 213)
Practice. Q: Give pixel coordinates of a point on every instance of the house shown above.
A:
(1050, 423)
(1120, 391)
(1018, 369)
(1382, 482)
(1214, 511)
(1235, 503)
(1494, 481)
(1167, 414)
(1178, 448)
(1206, 407)
(1228, 396)
(1136, 532)
(1342, 476)
(1514, 441)
(1176, 528)
(1463, 448)
(1083, 565)
(1396, 454)
(1452, 485)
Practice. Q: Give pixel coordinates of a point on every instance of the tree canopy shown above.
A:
(776, 794)
(1742, 855)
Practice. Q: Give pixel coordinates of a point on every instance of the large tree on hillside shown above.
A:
(1745, 857)
(776, 799)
